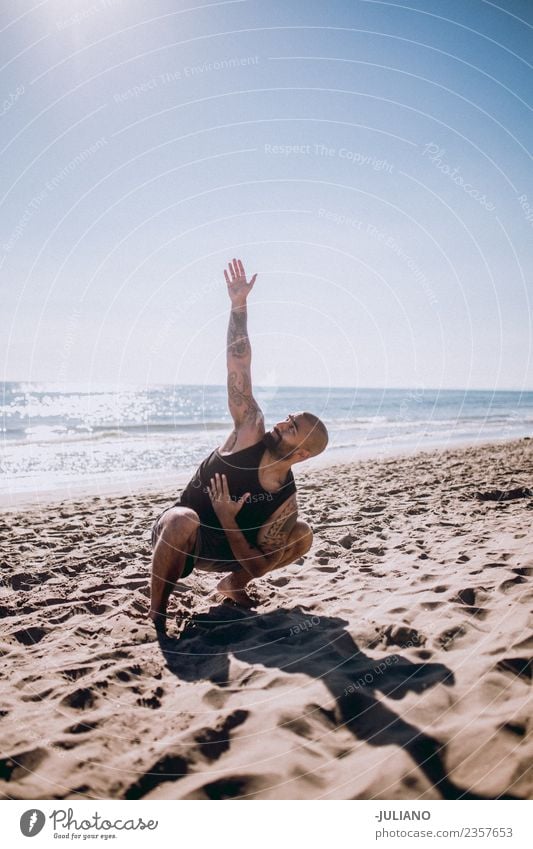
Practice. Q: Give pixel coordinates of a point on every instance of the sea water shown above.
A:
(55, 435)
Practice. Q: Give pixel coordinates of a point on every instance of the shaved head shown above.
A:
(316, 440)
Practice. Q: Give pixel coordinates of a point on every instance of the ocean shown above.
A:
(54, 436)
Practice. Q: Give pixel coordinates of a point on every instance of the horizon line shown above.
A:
(272, 386)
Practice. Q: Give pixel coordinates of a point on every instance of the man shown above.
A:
(239, 513)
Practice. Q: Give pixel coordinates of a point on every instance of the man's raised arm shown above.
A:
(242, 405)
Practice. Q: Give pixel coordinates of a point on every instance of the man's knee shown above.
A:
(178, 524)
(301, 537)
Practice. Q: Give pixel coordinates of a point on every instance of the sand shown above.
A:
(393, 662)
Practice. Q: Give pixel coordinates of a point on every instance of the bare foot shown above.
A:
(238, 595)
(159, 620)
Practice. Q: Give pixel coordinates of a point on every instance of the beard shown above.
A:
(276, 445)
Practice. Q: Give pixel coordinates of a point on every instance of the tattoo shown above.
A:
(240, 396)
(243, 406)
(278, 531)
(238, 342)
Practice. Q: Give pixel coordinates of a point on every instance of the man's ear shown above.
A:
(302, 454)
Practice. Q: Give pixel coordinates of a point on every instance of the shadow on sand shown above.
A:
(296, 641)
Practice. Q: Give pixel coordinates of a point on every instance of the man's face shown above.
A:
(287, 436)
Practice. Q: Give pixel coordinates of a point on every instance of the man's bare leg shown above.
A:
(233, 586)
(177, 536)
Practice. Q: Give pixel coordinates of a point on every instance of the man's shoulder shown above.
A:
(238, 441)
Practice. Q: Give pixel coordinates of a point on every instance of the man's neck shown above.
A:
(276, 466)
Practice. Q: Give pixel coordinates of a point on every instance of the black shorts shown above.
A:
(211, 547)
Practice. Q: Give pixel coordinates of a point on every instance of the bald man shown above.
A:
(239, 513)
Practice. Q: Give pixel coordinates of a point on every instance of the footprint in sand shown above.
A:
(403, 636)
(211, 743)
(478, 612)
(521, 667)
(515, 728)
(22, 581)
(168, 768)
(80, 699)
(231, 787)
(448, 637)
(509, 585)
(82, 727)
(22, 764)
(466, 596)
(215, 698)
(152, 702)
(37, 697)
(279, 582)
(77, 672)
(214, 742)
(30, 636)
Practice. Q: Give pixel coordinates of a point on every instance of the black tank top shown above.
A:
(242, 471)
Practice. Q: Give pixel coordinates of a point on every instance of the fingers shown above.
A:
(214, 489)
(218, 489)
(225, 489)
(236, 273)
(235, 269)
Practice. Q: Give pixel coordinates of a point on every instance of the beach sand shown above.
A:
(393, 662)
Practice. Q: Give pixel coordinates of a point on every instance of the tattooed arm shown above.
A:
(245, 411)
(273, 536)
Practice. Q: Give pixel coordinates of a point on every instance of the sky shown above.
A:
(369, 160)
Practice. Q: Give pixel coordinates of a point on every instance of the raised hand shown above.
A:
(225, 506)
(238, 287)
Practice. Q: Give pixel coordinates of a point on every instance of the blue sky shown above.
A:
(368, 159)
